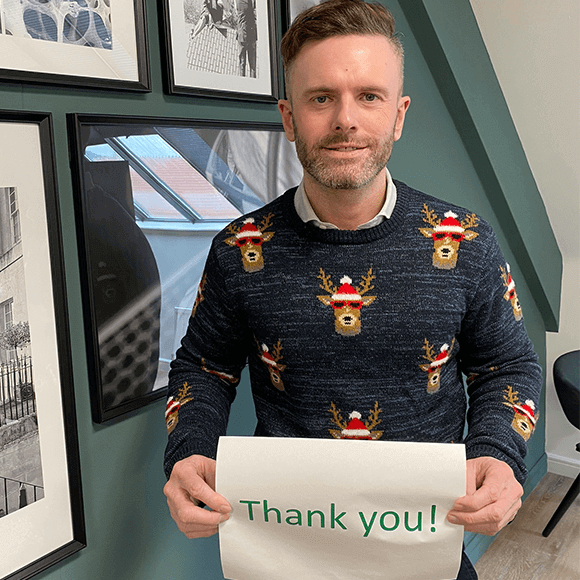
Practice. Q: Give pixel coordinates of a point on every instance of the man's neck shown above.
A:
(347, 208)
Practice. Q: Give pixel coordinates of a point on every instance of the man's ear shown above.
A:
(285, 109)
(402, 107)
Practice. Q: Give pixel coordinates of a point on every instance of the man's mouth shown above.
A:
(345, 148)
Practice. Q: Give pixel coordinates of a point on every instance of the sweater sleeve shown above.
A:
(206, 370)
(504, 378)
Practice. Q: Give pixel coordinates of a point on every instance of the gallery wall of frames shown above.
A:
(133, 203)
(131, 132)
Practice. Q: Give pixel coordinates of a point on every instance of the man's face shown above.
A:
(345, 110)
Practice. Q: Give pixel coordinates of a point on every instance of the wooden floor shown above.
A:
(520, 552)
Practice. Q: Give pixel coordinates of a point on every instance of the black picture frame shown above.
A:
(38, 397)
(205, 61)
(292, 8)
(159, 279)
(103, 46)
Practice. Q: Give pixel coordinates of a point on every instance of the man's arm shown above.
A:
(204, 375)
(504, 383)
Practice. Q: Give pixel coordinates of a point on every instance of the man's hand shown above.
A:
(493, 497)
(192, 481)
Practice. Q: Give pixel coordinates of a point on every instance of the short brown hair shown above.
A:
(338, 18)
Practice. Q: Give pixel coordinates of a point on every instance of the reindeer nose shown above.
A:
(347, 319)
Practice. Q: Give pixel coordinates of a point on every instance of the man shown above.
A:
(247, 36)
(354, 293)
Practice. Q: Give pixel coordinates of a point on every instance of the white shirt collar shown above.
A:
(307, 214)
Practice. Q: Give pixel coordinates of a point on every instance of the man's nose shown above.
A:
(346, 116)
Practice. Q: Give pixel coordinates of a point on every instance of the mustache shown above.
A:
(340, 139)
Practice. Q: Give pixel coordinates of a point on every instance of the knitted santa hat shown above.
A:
(450, 224)
(172, 406)
(249, 230)
(527, 410)
(511, 284)
(346, 292)
(356, 429)
(442, 357)
(267, 357)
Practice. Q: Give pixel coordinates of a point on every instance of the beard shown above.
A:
(344, 173)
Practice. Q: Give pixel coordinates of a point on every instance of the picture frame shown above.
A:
(95, 45)
(221, 48)
(150, 195)
(293, 7)
(41, 508)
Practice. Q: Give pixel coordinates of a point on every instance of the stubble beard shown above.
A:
(343, 174)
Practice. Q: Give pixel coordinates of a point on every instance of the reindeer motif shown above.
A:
(511, 293)
(447, 235)
(223, 376)
(272, 362)
(355, 428)
(173, 406)
(347, 301)
(525, 416)
(435, 364)
(199, 297)
(249, 238)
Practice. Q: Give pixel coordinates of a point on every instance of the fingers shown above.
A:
(488, 520)
(492, 500)
(192, 482)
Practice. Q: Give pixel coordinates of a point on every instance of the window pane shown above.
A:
(151, 201)
(101, 153)
(162, 160)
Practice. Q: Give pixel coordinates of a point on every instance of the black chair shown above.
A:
(567, 382)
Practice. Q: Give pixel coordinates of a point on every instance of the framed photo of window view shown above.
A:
(151, 194)
(41, 512)
(77, 43)
(224, 48)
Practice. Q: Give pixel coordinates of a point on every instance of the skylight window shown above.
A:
(166, 187)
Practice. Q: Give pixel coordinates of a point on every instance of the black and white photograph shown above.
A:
(153, 194)
(80, 41)
(226, 47)
(20, 462)
(41, 515)
(74, 22)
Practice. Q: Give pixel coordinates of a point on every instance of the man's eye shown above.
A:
(370, 97)
(321, 99)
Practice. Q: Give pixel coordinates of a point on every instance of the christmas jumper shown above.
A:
(358, 334)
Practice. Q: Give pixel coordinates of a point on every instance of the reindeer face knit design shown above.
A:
(405, 312)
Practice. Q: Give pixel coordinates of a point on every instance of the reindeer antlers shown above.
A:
(277, 351)
(431, 216)
(233, 229)
(366, 286)
(326, 283)
(337, 420)
(504, 276)
(266, 222)
(429, 354)
(470, 221)
(511, 397)
(374, 417)
(362, 289)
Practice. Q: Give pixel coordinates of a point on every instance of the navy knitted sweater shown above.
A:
(358, 334)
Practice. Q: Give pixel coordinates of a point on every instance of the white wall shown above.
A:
(534, 46)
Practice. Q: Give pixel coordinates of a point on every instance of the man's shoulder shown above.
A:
(435, 209)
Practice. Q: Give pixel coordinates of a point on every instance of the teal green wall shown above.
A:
(458, 144)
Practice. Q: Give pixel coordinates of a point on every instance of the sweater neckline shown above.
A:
(347, 237)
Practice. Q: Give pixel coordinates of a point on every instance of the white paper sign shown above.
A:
(317, 509)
